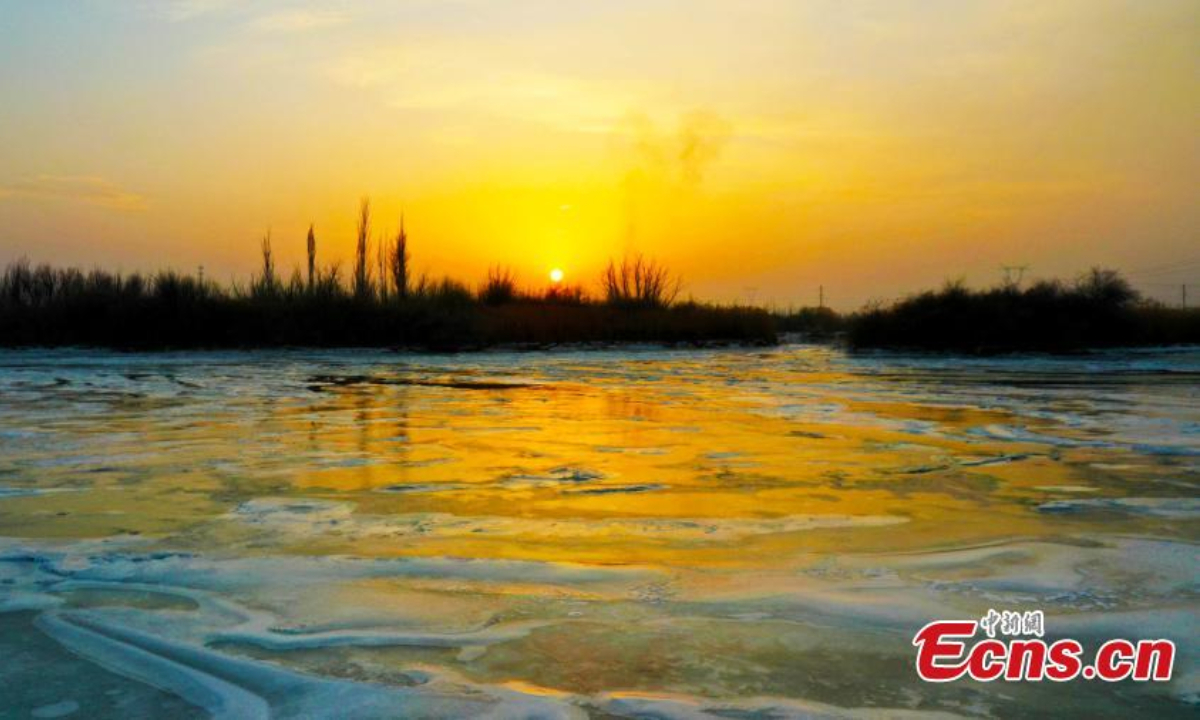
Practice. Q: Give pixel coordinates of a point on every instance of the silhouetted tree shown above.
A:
(312, 256)
(382, 253)
(362, 269)
(500, 287)
(638, 282)
(399, 262)
(267, 282)
(1107, 287)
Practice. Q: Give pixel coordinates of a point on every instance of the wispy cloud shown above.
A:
(293, 21)
(86, 189)
(181, 10)
(440, 76)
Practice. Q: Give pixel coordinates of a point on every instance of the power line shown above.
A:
(1172, 263)
(1165, 268)
(1161, 291)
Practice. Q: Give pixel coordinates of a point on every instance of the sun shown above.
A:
(556, 275)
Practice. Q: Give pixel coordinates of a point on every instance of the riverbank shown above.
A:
(52, 307)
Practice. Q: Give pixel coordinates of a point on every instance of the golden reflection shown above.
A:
(591, 525)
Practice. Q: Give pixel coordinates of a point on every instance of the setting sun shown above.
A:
(556, 276)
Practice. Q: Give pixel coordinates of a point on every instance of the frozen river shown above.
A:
(642, 533)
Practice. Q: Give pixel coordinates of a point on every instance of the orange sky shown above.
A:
(762, 150)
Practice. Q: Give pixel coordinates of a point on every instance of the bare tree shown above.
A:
(312, 256)
(500, 286)
(639, 282)
(399, 262)
(267, 281)
(383, 252)
(362, 268)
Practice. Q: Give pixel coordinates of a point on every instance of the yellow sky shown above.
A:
(760, 148)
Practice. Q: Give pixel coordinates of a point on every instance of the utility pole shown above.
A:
(821, 297)
(1183, 295)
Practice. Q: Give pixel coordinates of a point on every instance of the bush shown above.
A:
(500, 288)
(639, 283)
(46, 306)
(815, 322)
(1100, 309)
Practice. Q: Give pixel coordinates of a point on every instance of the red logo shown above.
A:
(947, 650)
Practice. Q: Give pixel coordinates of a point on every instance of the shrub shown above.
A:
(639, 283)
(1100, 309)
(500, 288)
